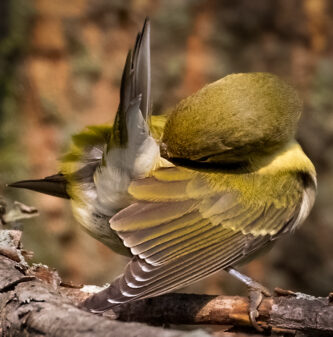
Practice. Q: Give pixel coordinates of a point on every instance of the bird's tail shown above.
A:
(131, 152)
(134, 91)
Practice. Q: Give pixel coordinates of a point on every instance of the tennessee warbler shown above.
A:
(185, 195)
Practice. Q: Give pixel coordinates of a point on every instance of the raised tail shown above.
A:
(134, 91)
(131, 152)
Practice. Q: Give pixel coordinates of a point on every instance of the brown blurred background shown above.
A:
(60, 69)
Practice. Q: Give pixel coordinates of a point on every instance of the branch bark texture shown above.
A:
(35, 302)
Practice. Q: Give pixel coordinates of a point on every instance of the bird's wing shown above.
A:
(181, 229)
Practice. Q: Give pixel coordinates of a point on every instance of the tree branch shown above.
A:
(31, 307)
(35, 301)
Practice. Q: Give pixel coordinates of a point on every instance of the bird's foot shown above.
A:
(256, 294)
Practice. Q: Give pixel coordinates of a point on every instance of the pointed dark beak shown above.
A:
(53, 185)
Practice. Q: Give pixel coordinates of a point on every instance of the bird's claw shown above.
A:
(256, 294)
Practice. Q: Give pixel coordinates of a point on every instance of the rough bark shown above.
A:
(35, 302)
(32, 307)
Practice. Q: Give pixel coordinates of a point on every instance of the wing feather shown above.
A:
(147, 215)
(173, 174)
(153, 246)
(145, 236)
(176, 268)
(179, 272)
(177, 240)
(151, 189)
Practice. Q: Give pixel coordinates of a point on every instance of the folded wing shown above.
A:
(181, 230)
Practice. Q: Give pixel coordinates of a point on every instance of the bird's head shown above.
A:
(238, 116)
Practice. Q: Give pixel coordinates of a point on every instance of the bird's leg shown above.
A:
(256, 292)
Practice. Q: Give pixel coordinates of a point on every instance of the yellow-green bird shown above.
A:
(202, 190)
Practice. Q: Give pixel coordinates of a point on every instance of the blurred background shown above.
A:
(60, 69)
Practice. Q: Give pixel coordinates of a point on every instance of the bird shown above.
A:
(205, 188)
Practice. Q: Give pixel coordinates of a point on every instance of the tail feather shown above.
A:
(131, 152)
(141, 67)
(135, 86)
